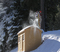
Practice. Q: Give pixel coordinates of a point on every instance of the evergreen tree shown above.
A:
(22, 10)
(50, 13)
(7, 43)
(12, 25)
(7, 19)
(2, 34)
(57, 21)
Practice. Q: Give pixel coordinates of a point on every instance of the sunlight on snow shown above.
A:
(52, 37)
(58, 50)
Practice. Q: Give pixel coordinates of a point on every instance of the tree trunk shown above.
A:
(43, 19)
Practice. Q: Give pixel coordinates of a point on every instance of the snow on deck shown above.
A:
(51, 42)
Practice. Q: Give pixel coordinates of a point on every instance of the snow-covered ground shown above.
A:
(51, 42)
(14, 50)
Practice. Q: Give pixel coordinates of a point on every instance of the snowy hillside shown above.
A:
(51, 42)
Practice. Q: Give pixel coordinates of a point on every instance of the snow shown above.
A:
(9, 38)
(51, 42)
(14, 50)
(23, 29)
(58, 50)
(15, 26)
(26, 28)
(53, 35)
(9, 27)
(2, 9)
(48, 46)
